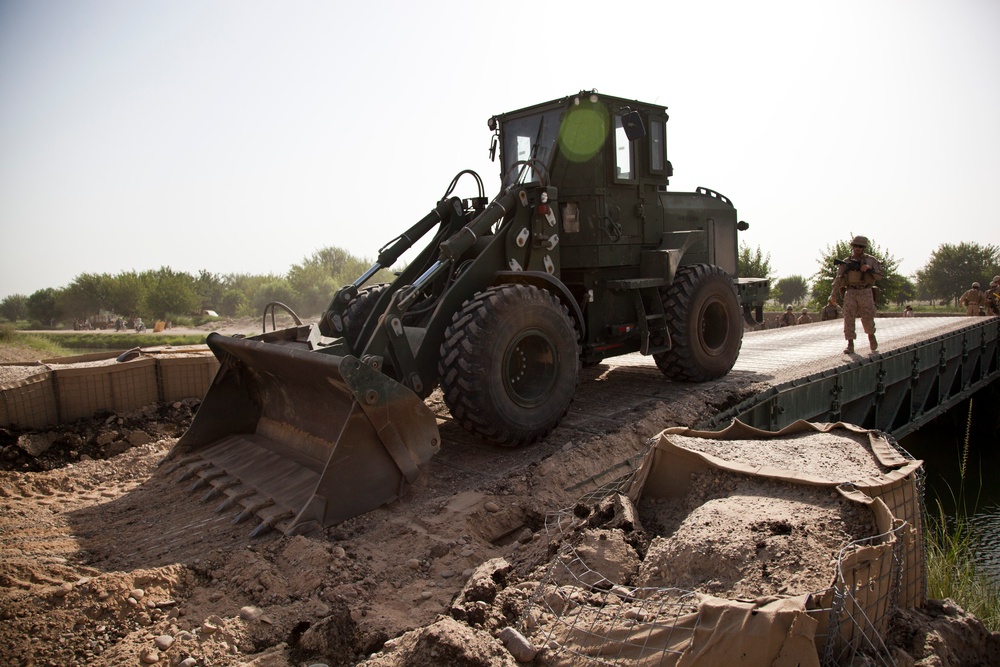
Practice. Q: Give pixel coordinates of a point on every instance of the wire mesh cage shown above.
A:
(585, 612)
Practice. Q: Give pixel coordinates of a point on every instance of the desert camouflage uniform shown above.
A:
(804, 318)
(973, 300)
(788, 319)
(993, 297)
(829, 312)
(859, 299)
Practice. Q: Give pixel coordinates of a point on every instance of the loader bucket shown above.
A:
(303, 439)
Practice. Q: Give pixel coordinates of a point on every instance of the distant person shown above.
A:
(788, 319)
(973, 300)
(804, 318)
(908, 311)
(993, 297)
(829, 312)
(856, 276)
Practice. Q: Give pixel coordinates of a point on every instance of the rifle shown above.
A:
(851, 264)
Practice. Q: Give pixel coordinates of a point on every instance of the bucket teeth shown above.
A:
(253, 508)
(180, 463)
(219, 487)
(206, 479)
(268, 523)
(193, 469)
(234, 498)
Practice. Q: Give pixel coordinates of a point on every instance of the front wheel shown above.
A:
(357, 312)
(510, 363)
(705, 324)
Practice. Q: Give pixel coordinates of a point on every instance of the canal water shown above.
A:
(976, 494)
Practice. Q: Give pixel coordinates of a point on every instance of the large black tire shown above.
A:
(705, 323)
(357, 312)
(509, 364)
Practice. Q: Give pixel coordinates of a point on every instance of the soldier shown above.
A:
(973, 300)
(804, 318)
(829, 312)
(993, 297)
(856, 275)
(788, 319)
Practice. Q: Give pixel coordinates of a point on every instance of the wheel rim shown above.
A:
(715, 326)
(530, 368)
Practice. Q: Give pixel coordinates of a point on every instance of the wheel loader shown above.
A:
(582, 255)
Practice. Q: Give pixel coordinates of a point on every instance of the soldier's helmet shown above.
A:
(996, 279)
(788, 307)
(976, 285)
(805, 310)
(860, 240)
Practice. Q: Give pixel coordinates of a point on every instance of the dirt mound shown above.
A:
(759, 539)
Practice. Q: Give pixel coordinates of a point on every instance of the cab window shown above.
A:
(624, 157)
(657, 146)
(530, 138)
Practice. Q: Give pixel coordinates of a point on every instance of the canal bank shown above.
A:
(964, 479)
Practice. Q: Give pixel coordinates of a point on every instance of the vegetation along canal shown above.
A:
(965, 481)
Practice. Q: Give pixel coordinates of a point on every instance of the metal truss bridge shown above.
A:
(924, 367)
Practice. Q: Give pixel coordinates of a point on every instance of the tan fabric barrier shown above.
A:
(73, 390)
(898, 488)
(805, 627)
(184, 377)
(121, 388)
(30, 403)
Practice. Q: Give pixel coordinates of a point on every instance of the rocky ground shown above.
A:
(106, 559)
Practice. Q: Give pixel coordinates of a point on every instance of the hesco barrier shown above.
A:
(70, 388)
(584, 615)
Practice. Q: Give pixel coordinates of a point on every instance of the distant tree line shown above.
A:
(167, 294)
(949, 272)
(308, 286)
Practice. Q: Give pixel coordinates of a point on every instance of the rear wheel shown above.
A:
(509, 364)
(705, 324)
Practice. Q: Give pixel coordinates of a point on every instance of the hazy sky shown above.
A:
(240, 137)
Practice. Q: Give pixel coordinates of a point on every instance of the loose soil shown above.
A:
(106, 559)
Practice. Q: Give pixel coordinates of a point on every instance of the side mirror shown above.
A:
(632, 123)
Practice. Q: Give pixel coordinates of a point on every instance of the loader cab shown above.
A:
(607, 158)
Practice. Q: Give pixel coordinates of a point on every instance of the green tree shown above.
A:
(126, 294)
(952, 269)
(889, 286)
(247, 285)
(907, 291)
(86, 296)
(753, 263)
(232, 302)
(279, 290)
(14, 307)
(210, 288)
(317, 278)
(792, 289)
(169, 292)
(43, 306)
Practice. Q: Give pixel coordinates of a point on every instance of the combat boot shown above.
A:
(850, 347)
(872, 342)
